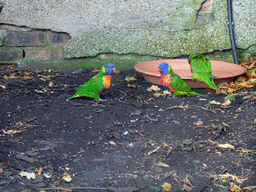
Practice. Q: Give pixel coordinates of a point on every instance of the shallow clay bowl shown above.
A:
(223, 71)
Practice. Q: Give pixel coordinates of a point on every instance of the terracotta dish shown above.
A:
(224, 71)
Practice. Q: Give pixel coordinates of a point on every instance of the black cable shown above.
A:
(231, 32)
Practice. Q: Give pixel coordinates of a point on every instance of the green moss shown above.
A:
(121, 62)
(46, 47)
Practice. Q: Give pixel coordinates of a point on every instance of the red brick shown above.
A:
(58, 39)
(18, 38)
(44, 54)
(10, 55)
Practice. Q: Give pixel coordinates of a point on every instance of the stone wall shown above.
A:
(77, 33)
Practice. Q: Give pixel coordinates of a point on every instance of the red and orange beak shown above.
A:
(159, 70)
(114, 69)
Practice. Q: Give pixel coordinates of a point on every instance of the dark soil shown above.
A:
(117, 145)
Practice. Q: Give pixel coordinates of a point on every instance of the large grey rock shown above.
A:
(77, 17)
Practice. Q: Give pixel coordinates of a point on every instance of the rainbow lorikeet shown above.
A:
(201, 70)
(96, 84)
(171, 80)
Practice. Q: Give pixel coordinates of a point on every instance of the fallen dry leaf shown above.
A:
(158, 94)
(185, 180)
(166, 92)
(43, 79)
(174, 177)
(39, 171)
(112, 143)
(50, 84)
(11, 132)
(167, 186)
(243, 81)
(132, 85)
(250, 188)
(153, 88)
(162, 164)
(37, 71)
(28, 175)
(227, 102)
(186, 187)
(235, 188)
(11, 66)
(13, 76)
(165, 144)
(225, 146)
(225, 124)
(198, 123)
(153, 151)
(26, 77)
(213, 102)
(183, 107)
(67, 177)
(229, 178)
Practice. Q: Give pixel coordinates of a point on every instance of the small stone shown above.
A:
(196, 161)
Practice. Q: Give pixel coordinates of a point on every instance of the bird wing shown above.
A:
(201, 64)
(178, 84)
(95, 84)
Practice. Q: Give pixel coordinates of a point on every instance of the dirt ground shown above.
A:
(133, 141)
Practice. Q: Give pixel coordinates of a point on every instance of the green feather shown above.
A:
(92, 87)
(202, 70)
(179, 85)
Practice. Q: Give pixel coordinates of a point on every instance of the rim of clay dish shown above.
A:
(181, 67)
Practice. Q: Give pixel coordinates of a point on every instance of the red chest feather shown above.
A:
(107, 81)
(165, 79)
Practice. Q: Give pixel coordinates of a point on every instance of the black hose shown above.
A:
(231, 32)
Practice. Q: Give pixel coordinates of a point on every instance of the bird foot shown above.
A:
(170, 97)
(100, 100)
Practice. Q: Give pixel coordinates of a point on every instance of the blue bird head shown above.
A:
(109, 68)
(163, 68)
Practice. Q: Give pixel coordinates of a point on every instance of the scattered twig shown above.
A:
(151, 119)
(71, 188)
(155, 150)
(202, 126)
(124, 94)
(172, 107)
(168, 175)
(19, 110)
(204, 108)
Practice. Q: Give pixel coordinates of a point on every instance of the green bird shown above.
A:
(201, 70)
(96, 84)
(171, 80)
